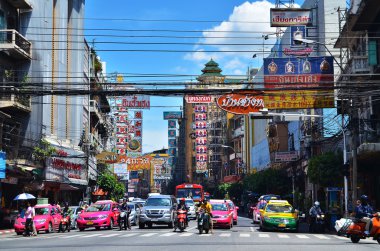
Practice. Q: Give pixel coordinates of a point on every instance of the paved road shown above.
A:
(244, 236)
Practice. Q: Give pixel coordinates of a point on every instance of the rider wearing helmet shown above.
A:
(314, 211)
(182, 206)
(364, 212)
(206, 206)
(123, 207)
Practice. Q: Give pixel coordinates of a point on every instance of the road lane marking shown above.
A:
(148, 235)
(129, 235)
(252, 229)
(90, 235)
(264, 235)
(340, 237)
(225, 235)
(244, 235)
(302, 236)
(168, 234)
(186, 234)
(283, 236)
(189, 229)
(109, 235)
(64, 237)
(322, 237)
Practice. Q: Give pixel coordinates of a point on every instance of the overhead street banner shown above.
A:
(286, 156)
(134, 102)
(172, 115)
(285, 17)
(191, 99)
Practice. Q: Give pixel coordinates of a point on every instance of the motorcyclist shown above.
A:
(364, 212)
(182, 206)
(314, 212)
(123, 207)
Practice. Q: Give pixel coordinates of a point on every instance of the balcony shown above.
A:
(359, 64)
(21, 4)
(15, 45)
(14, 102)
(95, 109)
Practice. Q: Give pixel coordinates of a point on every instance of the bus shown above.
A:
(193, 191)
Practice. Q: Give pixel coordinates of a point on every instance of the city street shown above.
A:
(244, 236)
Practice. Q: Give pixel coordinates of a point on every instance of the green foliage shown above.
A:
(268, 181)
(43, 151)
(326, 169)
(109, 184)
(221, 190)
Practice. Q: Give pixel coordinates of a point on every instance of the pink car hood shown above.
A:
(221, 213)
(94, 214)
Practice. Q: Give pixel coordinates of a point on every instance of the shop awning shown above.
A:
(99, 192)
(67, 187)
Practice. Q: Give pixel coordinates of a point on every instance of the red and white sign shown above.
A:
(240, 103)
(198, 99)
(298, 52)
(284, 17)
(135, 102)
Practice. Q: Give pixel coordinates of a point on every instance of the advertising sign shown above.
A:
(240, 103)
(135, 102)
(201, 167)
(106, 157)
(2, 164)
(172, 115)
(140, 163)
(66, 169)
(172, 151)
(286, 156)
(172, 133)
(120, 168)
(284, 17)
(172, 124)
(134, 145)
(198, 99)
(172, 143)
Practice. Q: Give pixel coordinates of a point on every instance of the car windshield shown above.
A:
(219, 207)
(189, 203)
(194, 193)
(98, 207)
(131, 206)
(42, 211)
(279, 209)
(158, 202)
(231, 204)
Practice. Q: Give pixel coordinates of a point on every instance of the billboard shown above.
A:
(172, 115)
(286, 156)
(198, 99)
(284, 17)
(135, 102)
(139, 163)
(120, 168)
(172, 133)
(172, 124)
(2, 165)
(240, 103)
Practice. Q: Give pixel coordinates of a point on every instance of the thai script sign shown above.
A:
(240, 103)
(172, 115)
(139, 163)
(198, 99)
(286, 156)
(284, 17)
(135, 102)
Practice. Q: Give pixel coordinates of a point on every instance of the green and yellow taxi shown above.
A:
(279, 215)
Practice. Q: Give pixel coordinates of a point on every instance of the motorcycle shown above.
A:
(355, 229)
(203, 222)
(122, 218)
(65, 223)
(181, 220)
(319, 226)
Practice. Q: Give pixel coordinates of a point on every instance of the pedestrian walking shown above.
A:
(33, 224)
(29, 219)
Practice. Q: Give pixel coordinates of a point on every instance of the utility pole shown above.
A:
(354, 144)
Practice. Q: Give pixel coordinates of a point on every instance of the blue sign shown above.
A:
(299, 66)
(2, 165)
(172, 124)
(172, 115)
(172, 151)
(172, 133)
(172, 142)
(171, 161)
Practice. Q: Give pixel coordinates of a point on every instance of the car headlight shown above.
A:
(102, 217)
(224, 216)
(166, 211)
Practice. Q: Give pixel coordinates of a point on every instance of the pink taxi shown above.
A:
(103, 213)
(222, 214)
(47, 219)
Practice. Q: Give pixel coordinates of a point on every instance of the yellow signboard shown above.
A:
(298, 99)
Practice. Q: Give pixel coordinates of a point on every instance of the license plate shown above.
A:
(90, 223)
(153, 219)
(282, 225)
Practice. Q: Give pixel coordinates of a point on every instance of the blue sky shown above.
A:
(102, 14)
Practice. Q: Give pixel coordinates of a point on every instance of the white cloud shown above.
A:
(233, 64)
(239, 72)
(250, 16)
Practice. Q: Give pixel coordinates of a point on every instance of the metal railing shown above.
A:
(22, 99)
(14, 39)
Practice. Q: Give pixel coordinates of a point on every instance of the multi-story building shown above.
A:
(206, 127)
(360, 57)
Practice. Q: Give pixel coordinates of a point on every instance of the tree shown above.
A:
(43, 151)
(326, 169)
(268, 181)
(109, 184)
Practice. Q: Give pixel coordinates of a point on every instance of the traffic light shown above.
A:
(346, 169)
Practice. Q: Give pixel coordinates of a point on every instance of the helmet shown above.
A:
(364, 198)
(317, 203)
